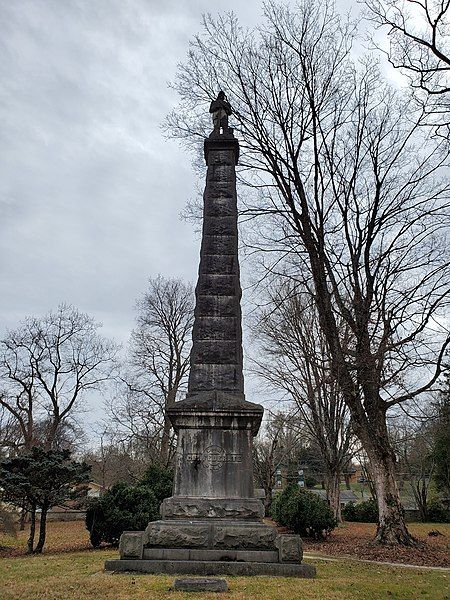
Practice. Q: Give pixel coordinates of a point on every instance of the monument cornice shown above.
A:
(224, 141)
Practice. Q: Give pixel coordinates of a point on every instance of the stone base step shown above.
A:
(268, 556)
(204, 567)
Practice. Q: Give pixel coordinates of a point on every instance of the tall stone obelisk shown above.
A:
(213, 523)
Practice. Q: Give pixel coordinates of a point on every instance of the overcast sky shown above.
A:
(90, 191)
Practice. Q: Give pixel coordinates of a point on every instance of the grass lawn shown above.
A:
(70, 569)
(80, 576)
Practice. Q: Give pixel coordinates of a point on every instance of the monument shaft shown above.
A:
(216, 358)
(215, 424)
(213, 523)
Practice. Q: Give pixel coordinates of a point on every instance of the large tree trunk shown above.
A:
(334, 493)
(391, 522)
(42, 530)
(30, 542)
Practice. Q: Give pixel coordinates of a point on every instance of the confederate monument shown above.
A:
(213, 523)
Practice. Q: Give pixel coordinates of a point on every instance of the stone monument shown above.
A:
(213, 522)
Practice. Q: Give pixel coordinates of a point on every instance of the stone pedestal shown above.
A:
(213, 522)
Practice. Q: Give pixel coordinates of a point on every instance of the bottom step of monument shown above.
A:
(203, 567)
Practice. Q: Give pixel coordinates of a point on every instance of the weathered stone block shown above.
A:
(130, 544)
(261, 537)
(220, 225)
(218, 285)
(204, 567)
(176, 535)
(200, 585)
(208, 554)
(216, 377)
(222, 306)
(217, 328)
(215, 187)
(221, 206)
(218, 508)
(220, 264)
(290, 548)
(214, 462)
(225, 155)
(219, 244)
(214, 352)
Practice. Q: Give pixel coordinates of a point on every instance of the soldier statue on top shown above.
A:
(220, 109)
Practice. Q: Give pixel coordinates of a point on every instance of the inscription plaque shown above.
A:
(215, 456)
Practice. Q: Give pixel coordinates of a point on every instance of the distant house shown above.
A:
(95, 490)
(73, 510)
(354, 474)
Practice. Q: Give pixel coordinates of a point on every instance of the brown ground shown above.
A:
(353, 540)
(66, 536)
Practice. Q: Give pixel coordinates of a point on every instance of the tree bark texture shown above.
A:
(391, 522)
(332, 486)
(30, 543)
(42, 530)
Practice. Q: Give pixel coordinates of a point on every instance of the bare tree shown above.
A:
(158, 366)
(295, 359)
(413, 443)
(419, 46)
(353, 197)
(47, 366)
(276, 448)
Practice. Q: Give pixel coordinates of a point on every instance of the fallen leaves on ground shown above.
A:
(356, 541)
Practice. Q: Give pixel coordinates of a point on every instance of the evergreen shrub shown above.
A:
(126, 507)
(303, 512)
(437, 513)
(364, 512)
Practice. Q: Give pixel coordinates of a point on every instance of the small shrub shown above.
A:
(303, 512)
(127, 507)
(437, 513)
(310, 482)
(365, 512)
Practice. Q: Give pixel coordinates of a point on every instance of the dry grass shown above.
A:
(61, 537)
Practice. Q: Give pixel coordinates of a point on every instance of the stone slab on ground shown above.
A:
(203, 567)
(200, 585)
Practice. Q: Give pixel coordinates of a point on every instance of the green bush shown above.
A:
(311, 482)
(159, 480)
(127, 507)
(303, 512)
(437, 513)
(365, 512)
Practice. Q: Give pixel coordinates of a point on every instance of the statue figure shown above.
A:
(221, 110)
